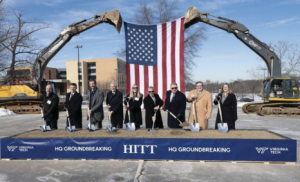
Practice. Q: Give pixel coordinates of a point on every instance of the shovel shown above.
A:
(110, 128)
(44, 127)
(223, 127)
(182, 124)
(153, 119)
(90, 126)
(69, 128)
(130, 126)
(194, 126)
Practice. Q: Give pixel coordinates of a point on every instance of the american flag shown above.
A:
(155, 56)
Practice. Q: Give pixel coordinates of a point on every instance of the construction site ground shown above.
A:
(133, 170)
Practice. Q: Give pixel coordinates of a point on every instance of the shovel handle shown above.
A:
(220, 111)
(194, 114)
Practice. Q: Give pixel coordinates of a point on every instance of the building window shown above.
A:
(79, 64)
(79, 70)
(91, 70)
(79, 77)
(91, 64)
(91, 78)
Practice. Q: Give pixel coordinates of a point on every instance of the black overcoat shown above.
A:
(229, 111)
(74, 108)
(134, 107)
(149, 107)
(116, 105)
(177, 106)
(50, 104)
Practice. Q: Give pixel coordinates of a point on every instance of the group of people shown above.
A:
(174, 104)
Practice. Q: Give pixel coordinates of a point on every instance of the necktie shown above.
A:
(71, 95)
(172, 97)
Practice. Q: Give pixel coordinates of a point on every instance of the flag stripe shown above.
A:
(169, 64)
(146, 78)
(164, 58)
(182, 76)
(173, 43)
(159, 61)
(177, 53)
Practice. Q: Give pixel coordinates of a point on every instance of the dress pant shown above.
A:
(52, 124)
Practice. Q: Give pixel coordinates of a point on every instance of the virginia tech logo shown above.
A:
(261, 150)
(11, 148)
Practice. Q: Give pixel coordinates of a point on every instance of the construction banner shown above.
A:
(151, 149)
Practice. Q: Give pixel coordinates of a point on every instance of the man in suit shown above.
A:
(176, 103)
(153, 102)
(95, 99)
(114, 102)
(203, 105)
(73, 103)
(50, 109)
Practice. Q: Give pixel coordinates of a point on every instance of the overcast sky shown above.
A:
(222, 57)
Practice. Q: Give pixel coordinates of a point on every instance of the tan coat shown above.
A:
(203, 107)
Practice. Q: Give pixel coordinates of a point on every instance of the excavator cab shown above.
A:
(276, 88)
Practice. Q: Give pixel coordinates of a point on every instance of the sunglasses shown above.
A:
(151, 91)
(174, 88)
(135, 87)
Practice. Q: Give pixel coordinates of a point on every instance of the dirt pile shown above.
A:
(166, 133)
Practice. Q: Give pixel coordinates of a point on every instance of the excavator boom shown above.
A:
(193, 15)
(113, 18)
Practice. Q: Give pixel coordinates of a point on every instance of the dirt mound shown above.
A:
(165, 133)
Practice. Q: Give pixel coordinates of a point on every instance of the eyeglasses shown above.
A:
(151, 91)
(174, 88)
(135, 87)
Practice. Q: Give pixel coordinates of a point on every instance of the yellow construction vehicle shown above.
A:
(280, 94)
(19, 97)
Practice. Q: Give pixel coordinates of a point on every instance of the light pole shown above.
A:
(78, 47)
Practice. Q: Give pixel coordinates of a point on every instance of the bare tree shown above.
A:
(19, 41)
(163, 11)
(288, 53)
(3, 53)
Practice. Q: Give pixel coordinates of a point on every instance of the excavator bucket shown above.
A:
(192, 16)
(114, 18)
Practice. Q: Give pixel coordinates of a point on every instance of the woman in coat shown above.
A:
(134, 100)
(152, 103)
(228, 104)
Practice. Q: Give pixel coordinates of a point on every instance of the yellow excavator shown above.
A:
(280, 94)
(21, 98)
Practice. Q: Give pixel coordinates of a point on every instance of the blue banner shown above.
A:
(151, 149)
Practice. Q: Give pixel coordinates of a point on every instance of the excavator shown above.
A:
(280, 94)
(21, 98)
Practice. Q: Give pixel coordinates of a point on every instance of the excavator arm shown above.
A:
(113, 17)
(272, 61)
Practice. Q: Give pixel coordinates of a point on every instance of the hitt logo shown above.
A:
(11, 148)
(261, 150)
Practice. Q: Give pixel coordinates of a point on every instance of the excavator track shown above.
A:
(250, 108)
(22, 107)
(279, 109)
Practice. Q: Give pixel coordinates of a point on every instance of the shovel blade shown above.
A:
(194, 127)
(68, 129)
(223, 127)
(90, 127)
(108, 129)
(184, 124)
(130, 127)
